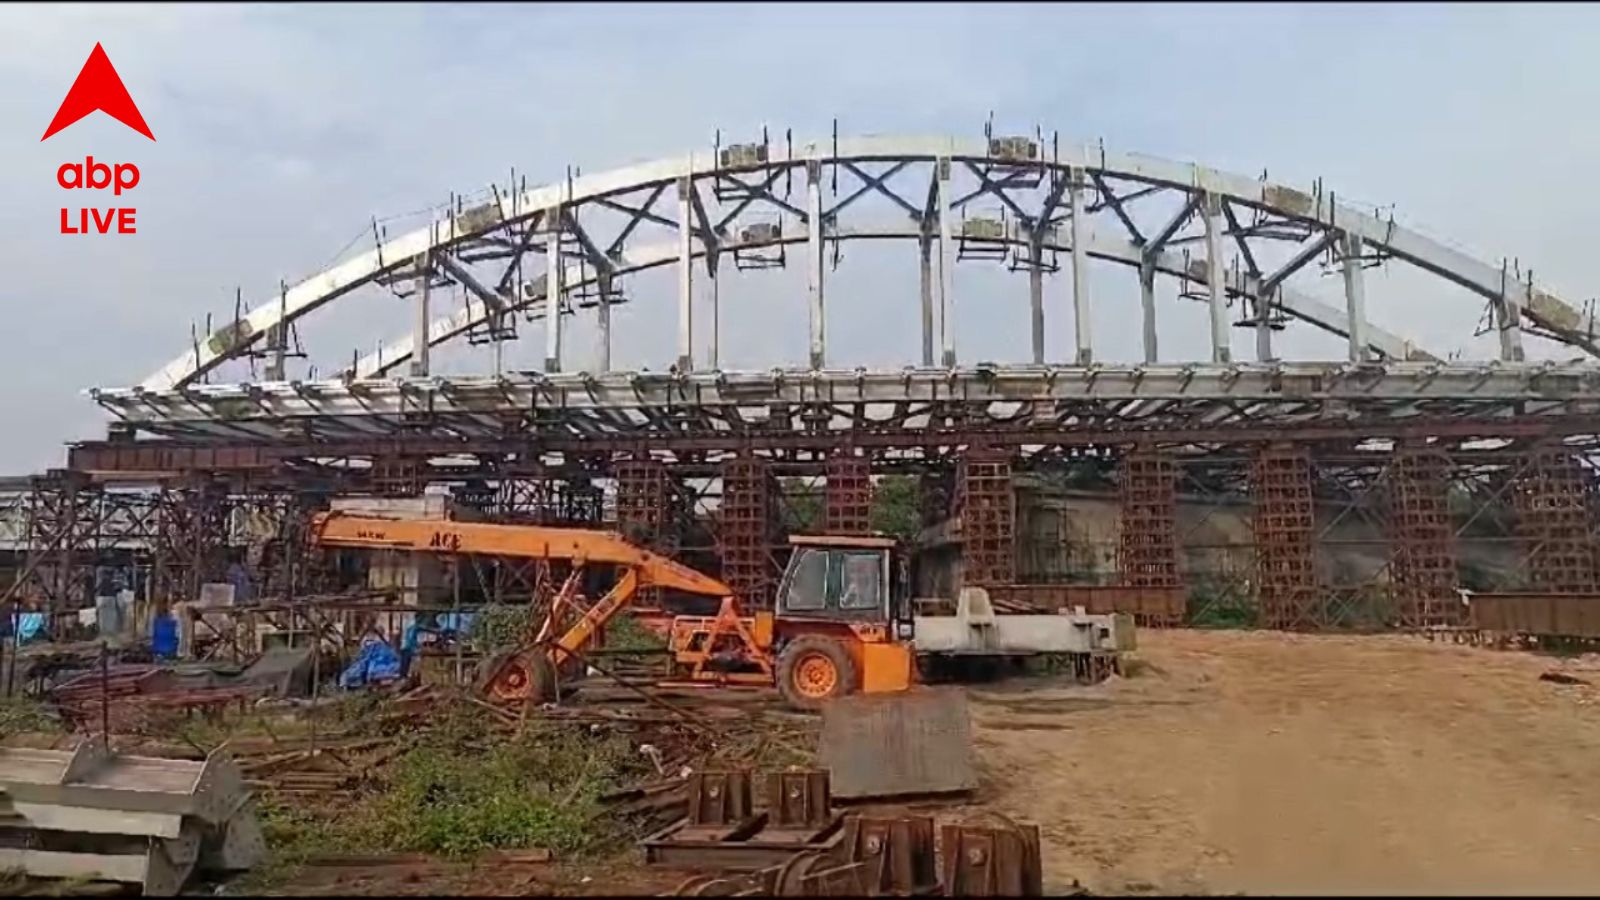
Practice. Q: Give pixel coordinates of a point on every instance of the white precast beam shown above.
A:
(1543, 307)
(1221, 348)
(685, 277)
(1299, 305)
(1080, 271)
(1355, 297)
(814, 273)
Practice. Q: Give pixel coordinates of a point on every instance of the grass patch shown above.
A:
(26, 714)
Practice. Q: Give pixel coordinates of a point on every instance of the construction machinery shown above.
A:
(842, 623)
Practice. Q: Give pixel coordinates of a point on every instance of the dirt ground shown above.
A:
(1252, 762)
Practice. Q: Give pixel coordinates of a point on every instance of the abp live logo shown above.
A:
(98, 87)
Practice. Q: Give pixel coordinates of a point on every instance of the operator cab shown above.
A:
(843, 579)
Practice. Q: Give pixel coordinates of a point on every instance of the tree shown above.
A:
(897, 506)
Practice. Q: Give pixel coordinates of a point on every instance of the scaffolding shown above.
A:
(1147, 545)
(847, 497)
(1286, 580)
(746, 530)
(988, 518)
(1552, 499)
(1423, 536)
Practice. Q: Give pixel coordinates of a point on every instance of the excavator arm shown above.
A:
(579, 545)
(641, 568)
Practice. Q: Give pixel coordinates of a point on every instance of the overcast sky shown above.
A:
(281, 130)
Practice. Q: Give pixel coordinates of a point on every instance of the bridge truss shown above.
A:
(1423, 447)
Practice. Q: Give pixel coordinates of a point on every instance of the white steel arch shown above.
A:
(1074, 200)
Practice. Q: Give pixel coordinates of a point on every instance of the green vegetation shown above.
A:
(1220, 604)
(897, 507)
(24, 714)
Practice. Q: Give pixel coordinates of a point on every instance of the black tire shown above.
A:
(847, 680)
(535, 667)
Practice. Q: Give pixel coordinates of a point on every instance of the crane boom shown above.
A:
(580, 545)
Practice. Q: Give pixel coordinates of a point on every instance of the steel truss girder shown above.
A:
(1539, 307)
(619, 403)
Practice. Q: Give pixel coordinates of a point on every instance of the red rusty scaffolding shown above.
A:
(988, 512)
(745, 530)
(1286, 580)
(1423, 536)
(1147, 546)
(847, 498)
(1552, 499)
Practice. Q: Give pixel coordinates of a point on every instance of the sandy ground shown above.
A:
(1268, 763)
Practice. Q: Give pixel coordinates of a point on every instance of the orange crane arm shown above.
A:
(580, 545)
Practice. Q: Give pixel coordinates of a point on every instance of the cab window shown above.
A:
(807, 580)
(855, 580)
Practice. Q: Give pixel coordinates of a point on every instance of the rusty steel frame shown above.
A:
(847, 495)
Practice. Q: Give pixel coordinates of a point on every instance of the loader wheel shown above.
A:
(815, 669)
(517, 677)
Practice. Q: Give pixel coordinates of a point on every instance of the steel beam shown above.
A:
(1080, 271)
(1355, 298)
(1221, 346)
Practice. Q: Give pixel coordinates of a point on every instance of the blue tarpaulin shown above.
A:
(377, 662)
(29, 626)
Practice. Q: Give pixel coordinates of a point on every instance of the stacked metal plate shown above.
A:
(93, 814)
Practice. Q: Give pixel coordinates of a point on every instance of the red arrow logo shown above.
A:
(98, 87)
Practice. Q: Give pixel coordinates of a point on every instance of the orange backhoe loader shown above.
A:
(837, 627)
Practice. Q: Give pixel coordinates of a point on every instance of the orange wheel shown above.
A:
(815, 676)
(814, 669)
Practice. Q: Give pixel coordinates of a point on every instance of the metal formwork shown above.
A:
(1551, 499)
(847, 497)
(1423, 537)
(988, 514)
(1147, 545)
(745, 530)
(1286, 582)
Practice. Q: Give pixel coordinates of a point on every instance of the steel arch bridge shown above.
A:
(1241, 247)
(1390, 433)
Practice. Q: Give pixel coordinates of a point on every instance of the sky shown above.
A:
(282, 130)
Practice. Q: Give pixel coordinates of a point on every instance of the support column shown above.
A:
(1552, 502)
(554, 287)
(685, 279)
(926, 246)
(1355, 297)
(280, 336)
(1080, 271)
(419, 329)
(1036, 294)
(814, 263)
(947, 269)
(1221, 350)
(1147, 308)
